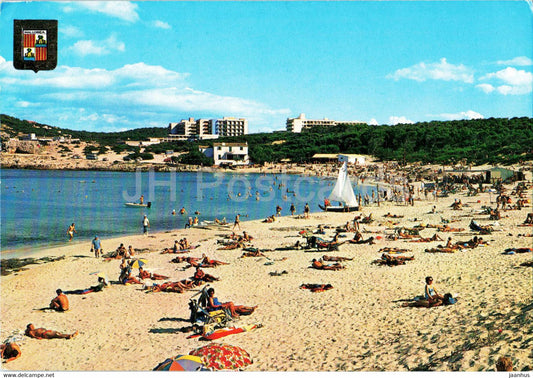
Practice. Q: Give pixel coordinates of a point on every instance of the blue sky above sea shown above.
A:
(124, 65)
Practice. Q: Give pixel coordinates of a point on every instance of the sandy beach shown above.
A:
(359, 325)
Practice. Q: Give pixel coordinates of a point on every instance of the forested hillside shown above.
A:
(492, 140)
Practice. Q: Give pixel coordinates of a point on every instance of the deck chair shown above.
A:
(202, 317)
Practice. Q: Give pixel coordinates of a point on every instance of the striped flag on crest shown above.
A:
(40, 53)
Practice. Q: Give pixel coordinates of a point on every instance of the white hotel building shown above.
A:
(200, 129)
(296, 125)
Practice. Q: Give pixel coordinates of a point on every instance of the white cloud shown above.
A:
(24, 104)
(469, 114)
(133, 95)
(512, 76)
(123, 10)
(487, 88)
(373, 122)
(518, 61)
(513, 82)
(441, 70)
(162, 24)
(105, 47)
(393, 120)
(71, 31)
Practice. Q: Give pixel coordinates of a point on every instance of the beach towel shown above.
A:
(223, 332)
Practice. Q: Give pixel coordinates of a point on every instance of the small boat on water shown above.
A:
(133, 204)
(343, 193)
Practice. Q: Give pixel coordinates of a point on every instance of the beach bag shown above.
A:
(449, 299)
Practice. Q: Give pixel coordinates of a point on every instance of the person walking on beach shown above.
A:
(59, 303)
(292, 209)
(306, 210)
(97, 247)
(237, 221)
(146, 225)
(42, 333)
(278, 210)
(71, 230)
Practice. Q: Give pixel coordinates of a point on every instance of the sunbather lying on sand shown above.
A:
(200, 277)
(474, 226)
(316, 287)
(296, 246)
(389, 215)
(435, 237)
(447, 228)
(392, 260)
(173, 287)
(191, 260)
(42, 333)
(207, 262)
(234, 245)
(93, 289)
(318, 264)
(518, 250)
(143, 274)
(394, 250)
(335, 258)
(441, 250)
(253, 253)
(235, 310)
(10, 351)
(472, 243)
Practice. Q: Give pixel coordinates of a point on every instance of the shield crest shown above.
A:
(35, 44)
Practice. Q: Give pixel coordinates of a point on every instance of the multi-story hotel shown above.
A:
(192, 129)
(296, 125)
(229, 126)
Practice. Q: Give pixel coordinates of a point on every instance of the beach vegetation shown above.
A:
(195, 157)
(138, 155)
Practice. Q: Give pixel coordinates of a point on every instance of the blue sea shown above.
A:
(38, 206)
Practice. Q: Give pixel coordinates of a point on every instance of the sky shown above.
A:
(124, 65)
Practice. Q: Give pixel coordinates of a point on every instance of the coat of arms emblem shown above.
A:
(35, 44)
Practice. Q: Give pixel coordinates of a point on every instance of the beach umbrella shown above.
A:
(136, 264)
(223, 356)
(181, 363)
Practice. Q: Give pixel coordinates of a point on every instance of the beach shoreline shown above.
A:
(359, 325)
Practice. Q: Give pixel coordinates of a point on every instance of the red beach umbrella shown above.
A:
(223, 356)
